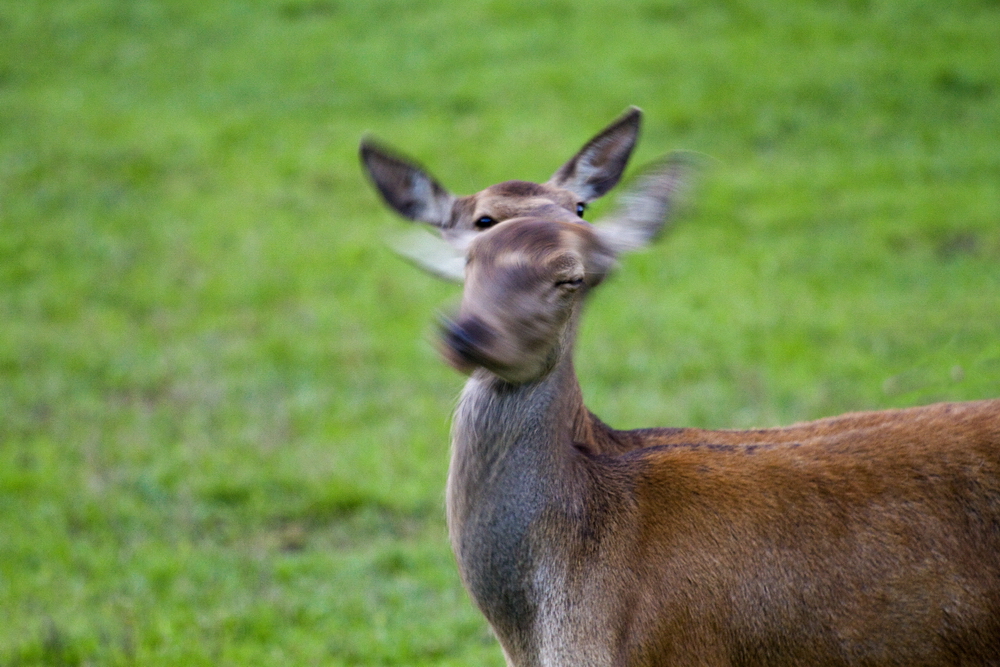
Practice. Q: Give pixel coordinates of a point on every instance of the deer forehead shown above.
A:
(512, 197)
(538, 245)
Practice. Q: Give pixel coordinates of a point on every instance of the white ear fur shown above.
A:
(441, 257)
(645, 208)
(459, 239)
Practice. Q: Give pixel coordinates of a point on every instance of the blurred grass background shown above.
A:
(223, 433)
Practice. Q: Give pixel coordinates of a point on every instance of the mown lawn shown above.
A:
(223, 431)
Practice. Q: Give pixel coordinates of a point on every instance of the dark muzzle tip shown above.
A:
(463, 340)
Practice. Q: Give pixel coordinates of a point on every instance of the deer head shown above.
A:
(524, 250)
(525, 279)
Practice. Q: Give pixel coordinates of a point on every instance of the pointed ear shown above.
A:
(405, 186)
(600, 163)
(646, 208)
(442, 258)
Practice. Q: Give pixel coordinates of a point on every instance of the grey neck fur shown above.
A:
(513, 465)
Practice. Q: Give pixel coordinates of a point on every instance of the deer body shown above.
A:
(870, 539)
(879, 545)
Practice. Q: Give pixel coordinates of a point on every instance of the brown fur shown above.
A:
(866, 539)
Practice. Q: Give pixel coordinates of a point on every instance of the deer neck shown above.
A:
(498, 424)
(513, 472)
(502, 430)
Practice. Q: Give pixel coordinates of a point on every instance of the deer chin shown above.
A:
(466, 360)
(511, 374)
(460, 361)
(517, 375)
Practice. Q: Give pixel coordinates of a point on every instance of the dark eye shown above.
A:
(570, 283)
(580, 208)
(485, 222)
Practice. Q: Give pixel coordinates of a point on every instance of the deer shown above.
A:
(870, 538)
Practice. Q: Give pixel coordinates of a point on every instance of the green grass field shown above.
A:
(223, 431)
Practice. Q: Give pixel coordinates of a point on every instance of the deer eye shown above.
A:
(580, 208)
(570, 283)
(485, 222)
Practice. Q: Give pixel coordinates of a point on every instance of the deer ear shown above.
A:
(442, 258)
(646, 208)
(406, 187)
(600, 163)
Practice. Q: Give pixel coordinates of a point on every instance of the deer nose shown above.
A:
(467, 338)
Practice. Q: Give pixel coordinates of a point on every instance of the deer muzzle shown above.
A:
(463, 343)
